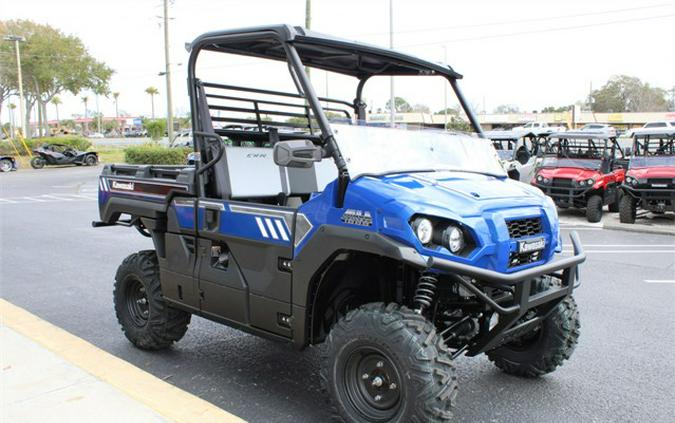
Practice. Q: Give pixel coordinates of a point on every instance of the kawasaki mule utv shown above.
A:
(399, 250)
(650, 179)
(582, 170)
(517, 152)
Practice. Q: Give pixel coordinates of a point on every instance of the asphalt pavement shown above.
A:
(55, 265)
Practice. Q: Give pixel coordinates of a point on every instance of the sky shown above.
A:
(531, 53)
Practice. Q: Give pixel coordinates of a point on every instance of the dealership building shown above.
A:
(571, 119)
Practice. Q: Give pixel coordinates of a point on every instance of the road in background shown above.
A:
(56, 266)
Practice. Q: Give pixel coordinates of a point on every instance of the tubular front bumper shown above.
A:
(565, 195)
(650, 194)
(512, 309)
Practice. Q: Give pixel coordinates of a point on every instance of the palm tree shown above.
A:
(153, 92)
(56, 101)
(85, 100)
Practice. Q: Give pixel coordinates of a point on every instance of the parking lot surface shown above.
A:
(55, 265)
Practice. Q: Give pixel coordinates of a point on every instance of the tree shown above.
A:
(450, 111)
(560, 109)
(503, 109)
(421, 108)
(152, 91)
(624, 93)
(56, 62)
(11, 107)
(56, 101)
(457, 124)
(85, 100)
(155, 128)
(400, 105)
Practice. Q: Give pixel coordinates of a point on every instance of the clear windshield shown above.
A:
(652, 161)
(505, 154)
(566, 162)
(379, 151)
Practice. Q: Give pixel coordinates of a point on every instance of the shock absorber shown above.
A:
(425, 292)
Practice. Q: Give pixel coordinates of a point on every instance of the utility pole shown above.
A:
(392, 99)
(445, 89)
(169, 102)
(22, 108)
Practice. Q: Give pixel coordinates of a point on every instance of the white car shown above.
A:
(599, 128)
(538, 128)
(657, 127)
(95, 135)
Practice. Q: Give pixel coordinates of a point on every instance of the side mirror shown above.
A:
(296, 153)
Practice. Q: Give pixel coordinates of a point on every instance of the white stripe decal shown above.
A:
(270, 226)
(263, 231)
(100, 185)
(282, 230)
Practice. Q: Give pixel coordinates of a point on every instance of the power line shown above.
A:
(517, 21)
(565, 28)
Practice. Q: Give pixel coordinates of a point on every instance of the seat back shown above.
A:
(314, 179)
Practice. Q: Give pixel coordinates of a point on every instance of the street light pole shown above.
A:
(169, 102)
(22, 108)
(392, 99)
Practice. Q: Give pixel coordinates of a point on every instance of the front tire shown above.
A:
(386, 363)
(146, 319)
(627, 209)
(594, 209)
(6, 165)
(541, 352)
(37, 162)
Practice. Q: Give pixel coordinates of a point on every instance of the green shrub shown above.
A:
(155, 128)
(155, 154)
(75, 141)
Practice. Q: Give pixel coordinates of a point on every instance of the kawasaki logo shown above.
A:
(127, 186)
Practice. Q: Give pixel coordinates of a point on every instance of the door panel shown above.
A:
(255, 238)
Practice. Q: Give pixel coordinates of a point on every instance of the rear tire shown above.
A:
(386, 363)
(627, 209)
(594, 209)
(37, 162)
(553, 343)
(615, 205)
(146, 319)
(5, 165)
(90, 160)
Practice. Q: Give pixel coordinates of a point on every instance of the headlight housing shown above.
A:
(590, 182)
(543, 180)
(434, 232)
(631, 181)
(453, 239)
(424, 229)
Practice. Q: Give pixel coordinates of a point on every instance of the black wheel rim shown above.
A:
(137, 302)
(372, 384)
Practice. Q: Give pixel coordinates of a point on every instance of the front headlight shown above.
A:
(424, 229)
(631, 181)
(540, 178)
(590, 182)
(453, 239)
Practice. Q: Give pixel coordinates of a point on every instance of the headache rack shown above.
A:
(245, 114)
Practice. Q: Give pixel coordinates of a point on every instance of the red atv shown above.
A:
(650, 179)
(582, 170)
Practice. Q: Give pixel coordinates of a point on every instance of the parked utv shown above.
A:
(582, 170)
(650, 180)
(60, 154)
(400, 250)
(517, 152)
(8, 164)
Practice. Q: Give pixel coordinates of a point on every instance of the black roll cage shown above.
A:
(666, 144)
(297, 47)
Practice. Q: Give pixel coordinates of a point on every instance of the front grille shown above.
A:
(562, 182)
(662, 181)
(518, 259)
(524, 227)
